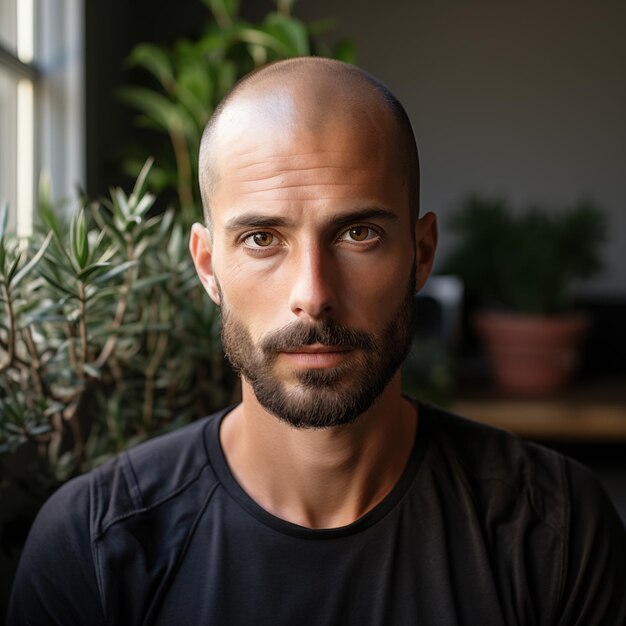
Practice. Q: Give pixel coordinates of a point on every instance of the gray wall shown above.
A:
(526, 100)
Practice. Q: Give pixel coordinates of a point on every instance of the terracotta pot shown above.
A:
(531, 354)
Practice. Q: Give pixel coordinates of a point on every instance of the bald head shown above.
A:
(310, 95)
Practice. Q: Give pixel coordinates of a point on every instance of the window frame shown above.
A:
(51, 141)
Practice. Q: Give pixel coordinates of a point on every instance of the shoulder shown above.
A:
(485, 454)
(134, 481)
(501, 476)
(496, 460)
(541, 508)
(153, 472)
(70, 565)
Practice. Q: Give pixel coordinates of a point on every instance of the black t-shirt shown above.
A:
(482, 528)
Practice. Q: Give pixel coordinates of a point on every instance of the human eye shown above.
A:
(260, 241)
(360, 235)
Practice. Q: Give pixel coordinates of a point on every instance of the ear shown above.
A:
(426, 237)
(201, 248)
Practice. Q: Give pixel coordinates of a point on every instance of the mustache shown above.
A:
(328, 333)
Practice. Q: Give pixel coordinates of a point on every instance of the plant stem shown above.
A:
(283, 7)
(35, 361)
(70, 416)
(111, 341)
(55, 438)
(151, 370)
(120, 311)
(183, 165)
(221, 17)
(116, 370)
(70, 346)
(82, 327)
(11, 328)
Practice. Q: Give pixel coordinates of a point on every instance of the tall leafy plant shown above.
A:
(191, 77)
(100, 343)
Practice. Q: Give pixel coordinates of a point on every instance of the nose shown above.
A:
(312, 293)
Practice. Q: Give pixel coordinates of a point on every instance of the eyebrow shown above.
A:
(259, 220)
(362, 215)
(255, 220)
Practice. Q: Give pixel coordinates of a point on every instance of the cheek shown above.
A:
(372, 291)
(254, 300)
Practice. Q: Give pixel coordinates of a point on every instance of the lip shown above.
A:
(316, 348)
(316, 356)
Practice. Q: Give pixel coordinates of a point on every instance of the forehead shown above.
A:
(274, 149)
(277, 113)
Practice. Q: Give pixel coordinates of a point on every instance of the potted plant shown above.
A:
(520, 267)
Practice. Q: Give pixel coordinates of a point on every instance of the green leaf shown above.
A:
(149, 281)
(90, 269)
(226, 76)
(53, 407)
(103, 278)
(79, 240)
(13, 268)
(40, 429)
(101, 238)
(157, 108)
(94, 372)
(41, 312)
(108, 254)
(195, 104)
(265, 39)
(166, 222)
(320, 27)
(28, 267)
(290, 31)
(49, 278)
(345, 51)
(105, 221)
(121, 203)
(143, 206)
(141, 184)
(197, 80)
(155, 60)
(214, 45)
(148, 230)
(57, 265)
(224, 11)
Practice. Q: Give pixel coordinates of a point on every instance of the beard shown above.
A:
(321, 397)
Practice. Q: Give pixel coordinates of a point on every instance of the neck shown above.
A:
(320, 478)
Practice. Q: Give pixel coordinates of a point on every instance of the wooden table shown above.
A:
(591, 412)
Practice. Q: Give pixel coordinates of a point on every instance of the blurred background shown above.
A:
(518, 110)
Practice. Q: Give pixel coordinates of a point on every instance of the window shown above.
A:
(17, 85)
(41, 102)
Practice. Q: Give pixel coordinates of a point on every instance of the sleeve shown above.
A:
(56, 578)
(594, 566)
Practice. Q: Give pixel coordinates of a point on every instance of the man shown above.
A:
(325, 497)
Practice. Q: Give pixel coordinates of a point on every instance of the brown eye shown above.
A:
(359, 233)
(260, 240)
